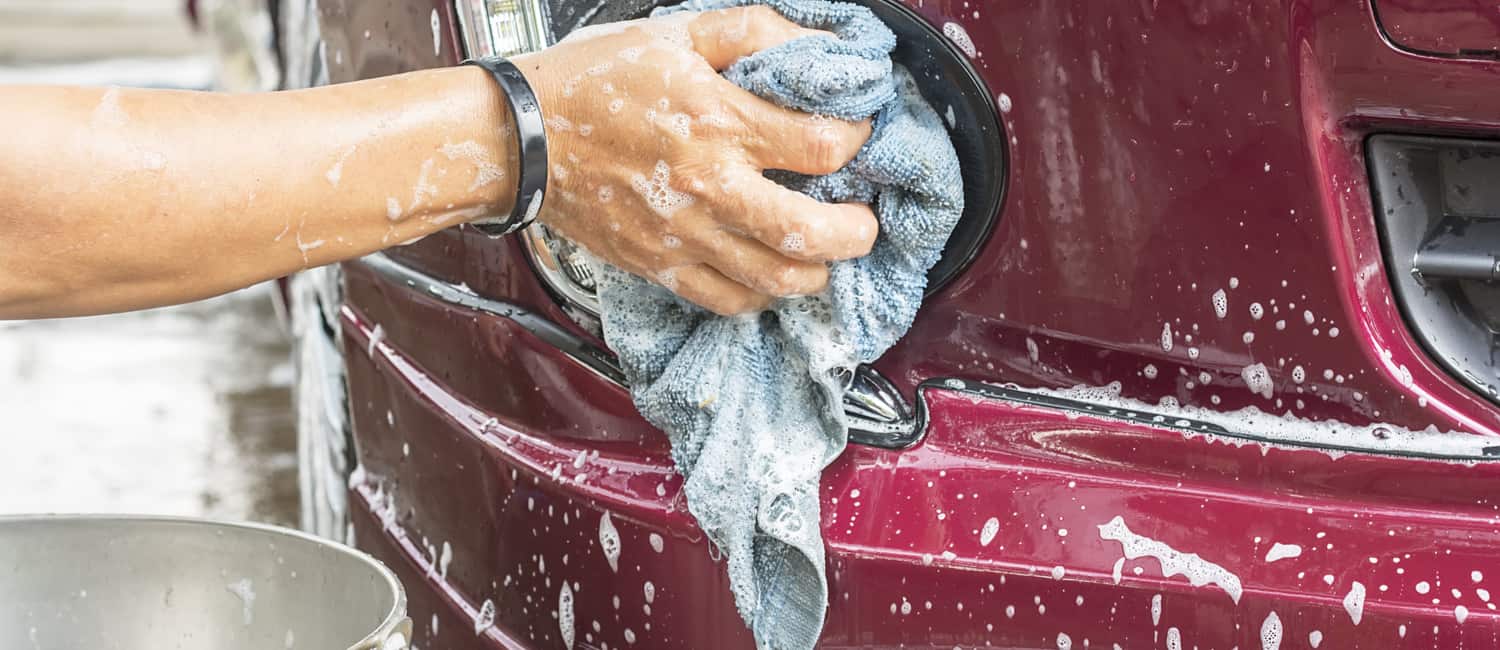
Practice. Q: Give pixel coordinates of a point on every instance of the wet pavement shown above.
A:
(184, 410)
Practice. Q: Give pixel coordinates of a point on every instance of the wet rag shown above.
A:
(752, 404)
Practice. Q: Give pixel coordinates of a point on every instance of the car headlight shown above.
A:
(502, 27)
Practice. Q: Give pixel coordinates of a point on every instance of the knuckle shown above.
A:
(828, 148)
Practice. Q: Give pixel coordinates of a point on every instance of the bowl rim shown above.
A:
(395, 620)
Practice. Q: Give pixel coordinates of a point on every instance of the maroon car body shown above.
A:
(1160, 154)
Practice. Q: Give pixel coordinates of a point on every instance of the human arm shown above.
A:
(122, 199)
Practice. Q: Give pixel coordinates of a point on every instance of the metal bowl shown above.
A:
(144, 583)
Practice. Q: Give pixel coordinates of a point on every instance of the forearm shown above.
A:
(121, 199)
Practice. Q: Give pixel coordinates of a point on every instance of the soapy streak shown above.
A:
(1197, 570)
(1331, 437)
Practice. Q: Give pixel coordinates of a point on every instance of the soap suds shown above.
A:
(1258, 379)
(486, 618)
(108, 112)
(376, 336)
(1281, 551)
(1197, 570)
(244, 589)
(486, 171)
(1270, 633)
(565, 625)
(422, 189)
(960, 37)
(1221, 303)
(658, 192)
(609, 542)
(1286, 428)
(336, 172)
(987, 534)
(437, 34)
(1354, 602)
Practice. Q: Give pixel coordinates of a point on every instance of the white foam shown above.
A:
(1005, 103)
(658, 192)
(609, 542)
(960, 37)
(1221, 303)
(1258, 379)
(109, 113)
(1197, 570)
(616, 104)
(1270, 632)
(1423, 587)
(376, 336)
(437, 34)
(632, 54)
(1281, 551)
(565, 621)
(244, 589)
(649, 590)
(486, 171)
(988, 532)
(793, 242)
(1315, 638)
(445, 560)
(1461, 613)
(1064, 642)
(1155, 607)
(1174, 639)
(1287, 428)
(1257, 311)
(1166, 337)
(1149, 371)
(1354, 602)
(486, 618)
(392, 208)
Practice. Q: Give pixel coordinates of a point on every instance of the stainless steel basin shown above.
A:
(148, 583)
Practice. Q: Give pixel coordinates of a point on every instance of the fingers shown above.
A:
(795, 224)
(726, 35)
(711, 290)
(783, 138)
(768, 272)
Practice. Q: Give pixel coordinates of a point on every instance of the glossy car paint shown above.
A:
(1161, 152)
(1443, 27)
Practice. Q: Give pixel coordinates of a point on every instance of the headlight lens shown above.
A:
(502, 27)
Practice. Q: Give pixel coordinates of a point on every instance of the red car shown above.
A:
(1209, 364)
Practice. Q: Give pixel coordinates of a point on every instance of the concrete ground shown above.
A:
(185, 410)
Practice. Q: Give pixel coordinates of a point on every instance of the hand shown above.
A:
(657, 161)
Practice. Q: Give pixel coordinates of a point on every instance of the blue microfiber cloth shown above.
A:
(751, 403)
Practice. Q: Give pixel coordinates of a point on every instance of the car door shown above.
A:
(1164, 392)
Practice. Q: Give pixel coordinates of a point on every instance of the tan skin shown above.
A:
(118, 199)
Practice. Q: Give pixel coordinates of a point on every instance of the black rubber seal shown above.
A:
(531, 135)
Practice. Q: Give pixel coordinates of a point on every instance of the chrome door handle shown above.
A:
(878, 416)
